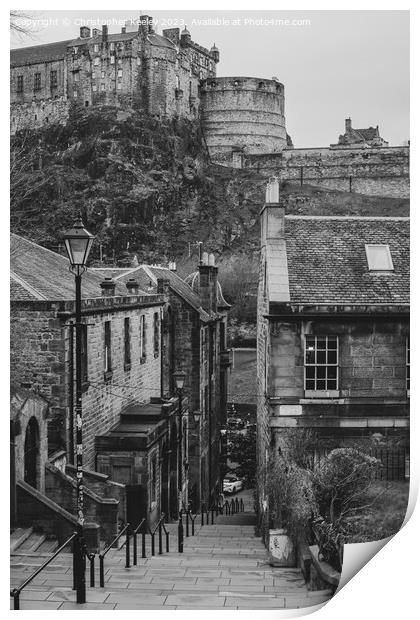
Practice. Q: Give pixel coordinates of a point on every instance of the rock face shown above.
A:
(146, 187)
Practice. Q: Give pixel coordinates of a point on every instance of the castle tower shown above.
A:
(215, 54)
(242, 115)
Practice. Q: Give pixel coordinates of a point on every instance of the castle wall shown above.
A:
(242, 113)
(373, 171)
(143, 70)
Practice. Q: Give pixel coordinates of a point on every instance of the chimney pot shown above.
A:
(108, 287)
(211, 260)
(205, 258)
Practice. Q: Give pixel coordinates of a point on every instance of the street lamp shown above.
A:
(78, 242)
(179, 378)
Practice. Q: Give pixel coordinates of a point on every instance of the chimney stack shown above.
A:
(208, 283)
(104, 33)
(163, 286)
(132, 286)
(108, 287)
(272, 214)
(348, 125)
(84, 32)
(96, 32)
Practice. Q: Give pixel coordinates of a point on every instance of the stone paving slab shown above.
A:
(203, 602)
(36, 605)
(88, 606)
(260, 603)
(136, 599)
(92, 596)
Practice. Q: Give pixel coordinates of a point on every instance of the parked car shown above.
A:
(232, 484)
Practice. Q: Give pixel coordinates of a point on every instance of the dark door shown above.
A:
(31, 453)
(136, 497)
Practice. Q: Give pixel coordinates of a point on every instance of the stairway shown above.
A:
(224, 566)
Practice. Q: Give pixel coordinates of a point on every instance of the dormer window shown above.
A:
(379, 257)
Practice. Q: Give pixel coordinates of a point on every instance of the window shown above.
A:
(85, 376)
(156, 334)
(96, 61)
(75, 93)
(321, 364)
(94, 88)
(153, 478)
(112, 47)
(119, 61)
(119, 86)
(127, 346)
(112, 60)
(37, 81)
(19, 84)
(379, 257)
(53, 80)
(119, 72)
(142, 337)
(76, 75)
(102, 74)
(96, 48)
(102, 86)
(407, 365)
(107, 347)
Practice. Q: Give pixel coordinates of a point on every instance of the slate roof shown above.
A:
(148, 274)
(370, 133)
(327, 261)
(159, 40)
(46, 274)
(38, 53)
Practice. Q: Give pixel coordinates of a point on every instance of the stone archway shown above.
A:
(32, 454)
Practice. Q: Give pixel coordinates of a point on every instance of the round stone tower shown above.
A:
(242, 115)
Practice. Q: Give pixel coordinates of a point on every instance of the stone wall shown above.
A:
(373, 171)
(372, 370)
(104, 397)
(41, 359)
(241, 113)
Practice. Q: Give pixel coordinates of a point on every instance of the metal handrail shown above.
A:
(188, 513)
(135, 532)
(126, 530)
(15, 593)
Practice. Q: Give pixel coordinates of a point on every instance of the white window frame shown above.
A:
(385, 246)
(96, 61)
(316, 393)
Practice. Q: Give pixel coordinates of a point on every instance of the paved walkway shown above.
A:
(224, 566)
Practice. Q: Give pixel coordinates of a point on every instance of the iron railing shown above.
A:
(125, 530)
(15, 593)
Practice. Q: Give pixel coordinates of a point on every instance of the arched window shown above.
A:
(31, 458)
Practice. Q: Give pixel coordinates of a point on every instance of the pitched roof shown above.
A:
(39, 273)
(370, 133)
(147, 275)
(327, 261)
(38, 53)
(160, 41)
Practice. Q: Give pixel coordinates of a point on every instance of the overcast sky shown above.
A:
(337, 64)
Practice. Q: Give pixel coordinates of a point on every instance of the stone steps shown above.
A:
(224, 566)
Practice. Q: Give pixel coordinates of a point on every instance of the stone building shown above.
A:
(134, 68)
(193, 339)
(242, 116)
(333, 329)
(122, 371)
(359, 138)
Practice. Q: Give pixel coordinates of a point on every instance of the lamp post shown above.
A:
(179, 378)
(78, 242)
